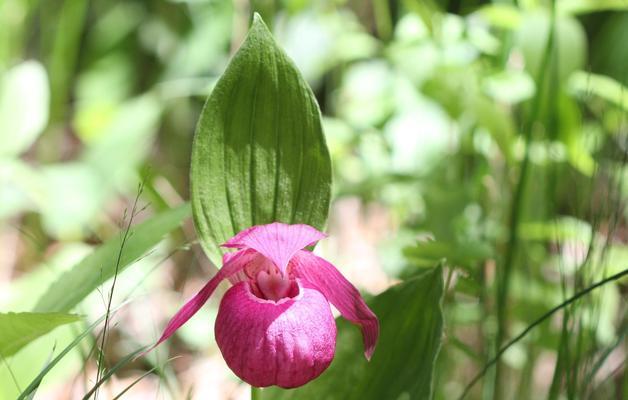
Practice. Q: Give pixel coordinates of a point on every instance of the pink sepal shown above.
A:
(277, 241)
(234, 265)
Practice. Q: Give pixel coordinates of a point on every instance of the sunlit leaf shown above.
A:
(99, 266)
(509, 86)
(20, 187)
(501, 15)
(19, 329)
(75, 192)
(570, 46)
(259, 154)
(24, 102)
(411, 327)
(590, 6)
(560, 229)
(584, 84)
(28, 393)
(428, 254)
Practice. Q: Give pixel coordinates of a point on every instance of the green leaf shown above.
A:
(584, 84)
(557, 230)
(500, 15)
(99, 266)
(19, 329)
(509, 86)
(32, 387)
(24, 102)
(411, 326)
(569, 51)
(591, 6)
(259, 152)
(463, 254)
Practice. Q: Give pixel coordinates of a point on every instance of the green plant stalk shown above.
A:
(383, 20)
(8, 367)
(135, 382)
(156, 368)
(37, 381)
(129, 357)
(537, 322)
(588, 381)
(100, 365)
(64, 52)
(256, 393)
(563, 354)
(503, 282)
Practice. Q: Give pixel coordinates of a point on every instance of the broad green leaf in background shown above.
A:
(411, 326)
(259, 153)
(75, 192)
(19, 329)
(463, 254)
(590, 6)
(583, 84)
(509, 86)
(24, 102)
(501, 15)
(570, 44)
(19, 187)
(558, 230)
(99, 266)
(30, 390)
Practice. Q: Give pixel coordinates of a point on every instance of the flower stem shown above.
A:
(256, 393)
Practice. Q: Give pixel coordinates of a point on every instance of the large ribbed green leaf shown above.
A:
(259, 153)
(401, 368)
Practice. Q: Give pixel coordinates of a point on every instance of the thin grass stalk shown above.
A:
(537, 322)
(113, 285)
(503, 281)
(37, 380)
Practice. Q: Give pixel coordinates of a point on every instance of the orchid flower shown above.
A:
(274, 325)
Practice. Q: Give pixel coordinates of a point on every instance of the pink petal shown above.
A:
(278, 242)
(235, 264)
(341, 293)
(286, 343)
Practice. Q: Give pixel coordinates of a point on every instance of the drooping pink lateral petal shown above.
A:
(339, 292)
(277, 241)
(235, 264)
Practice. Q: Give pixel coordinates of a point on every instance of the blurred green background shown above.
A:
(489, 137)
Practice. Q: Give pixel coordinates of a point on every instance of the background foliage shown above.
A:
(486, 137)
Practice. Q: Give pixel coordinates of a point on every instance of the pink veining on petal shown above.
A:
(340, 292)
(235, 264)
(286, 343)
(277, 241)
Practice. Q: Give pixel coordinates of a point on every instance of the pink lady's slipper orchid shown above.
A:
(274, 325)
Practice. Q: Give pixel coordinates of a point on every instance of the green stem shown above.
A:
(256, 393)
(383, 19)
(503, 281)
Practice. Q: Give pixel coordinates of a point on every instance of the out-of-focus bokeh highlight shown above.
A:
(429, 110)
